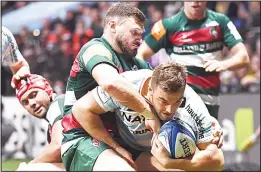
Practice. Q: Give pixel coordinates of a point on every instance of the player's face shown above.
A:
(129, 36)
(36, 102)
(165, 103)
(196, 8)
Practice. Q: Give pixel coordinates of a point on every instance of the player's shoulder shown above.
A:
(96, 48)
(216, 15)
(55, 108)
(59, 98)
(172, 21)
(5, 30)
(191, 95)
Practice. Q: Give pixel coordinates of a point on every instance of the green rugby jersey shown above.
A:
(193, 42)
(81, 81)
(54, 113)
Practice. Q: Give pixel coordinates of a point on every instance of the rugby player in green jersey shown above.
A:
(36, 95)
(195, 37)
(99, 62)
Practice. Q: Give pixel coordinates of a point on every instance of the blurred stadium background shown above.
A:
(50, 34)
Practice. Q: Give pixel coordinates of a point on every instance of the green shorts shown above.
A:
(82, 155)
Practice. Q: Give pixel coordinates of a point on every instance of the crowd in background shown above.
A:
(51, 53)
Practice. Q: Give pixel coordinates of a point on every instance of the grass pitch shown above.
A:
(12, 164)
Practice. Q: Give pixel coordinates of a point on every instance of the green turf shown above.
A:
(12, 164)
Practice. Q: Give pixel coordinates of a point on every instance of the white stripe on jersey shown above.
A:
(70, 98)
(53, 112)
(67, 145)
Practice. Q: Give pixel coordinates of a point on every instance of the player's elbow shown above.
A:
(243, 53)
(245, 58)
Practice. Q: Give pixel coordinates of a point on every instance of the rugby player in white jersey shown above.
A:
(166, 90)
(13, 57)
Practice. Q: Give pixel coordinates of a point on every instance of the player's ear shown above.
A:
(150, 90)
(112, 26)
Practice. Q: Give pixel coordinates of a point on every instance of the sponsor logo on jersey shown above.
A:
(133, 118)
(213, 32)
(192, 37)
(140, 131)
(199, 47)
(158, 30)
(195, 116)
(95, 143)
(134, 67)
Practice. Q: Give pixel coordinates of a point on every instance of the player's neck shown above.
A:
(112, 42)
(190, 16)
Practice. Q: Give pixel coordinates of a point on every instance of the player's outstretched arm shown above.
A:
(210, 159)
(52, 152)
(99, 63)
(121, 90)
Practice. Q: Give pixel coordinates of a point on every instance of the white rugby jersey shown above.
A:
(131, 125)
(10, 52)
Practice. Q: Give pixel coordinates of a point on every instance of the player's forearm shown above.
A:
(120, 89)
(51, 154)
(124, 93)
(239, 58)
(204, 160)
(92, 124)
(21, 64)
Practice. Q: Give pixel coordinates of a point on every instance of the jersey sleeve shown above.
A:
(54, 112)
(230, 32)
(10, 51)
(94, 55)
(157, 38)
(105, 101)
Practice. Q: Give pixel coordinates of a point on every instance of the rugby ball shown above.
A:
(178, 138)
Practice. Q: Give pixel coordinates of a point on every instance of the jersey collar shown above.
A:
(188, 20)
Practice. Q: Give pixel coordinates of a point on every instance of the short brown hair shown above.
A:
(123, 9)
(170, 76)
